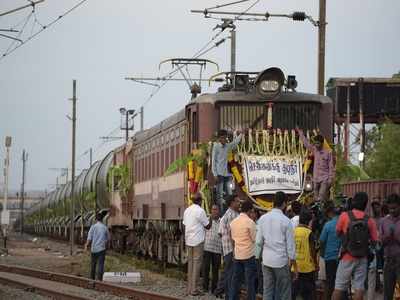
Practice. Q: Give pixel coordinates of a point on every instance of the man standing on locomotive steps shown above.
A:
(98, 237)
(196, 222)
(220, 164)
(324, 170)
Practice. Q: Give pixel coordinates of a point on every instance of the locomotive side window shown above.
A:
(162, 162)
(153, 165)
(166, 158)
(172, 153)
(177, 151)
(158, 164)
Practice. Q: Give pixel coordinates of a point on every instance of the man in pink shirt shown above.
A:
(323, 170)
(354, 260)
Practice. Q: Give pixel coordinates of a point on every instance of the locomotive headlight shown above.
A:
(308, 187)
(269, 85)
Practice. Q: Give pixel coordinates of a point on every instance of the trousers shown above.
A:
(97, 258)
(277, 283)
(213, 260)
(195, 257)
(321, 191)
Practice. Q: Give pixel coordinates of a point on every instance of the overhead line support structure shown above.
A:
(296, 16)
(31, 4)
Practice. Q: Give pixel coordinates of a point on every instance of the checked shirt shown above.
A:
(212, 241)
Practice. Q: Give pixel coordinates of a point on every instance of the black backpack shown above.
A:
(356, 240)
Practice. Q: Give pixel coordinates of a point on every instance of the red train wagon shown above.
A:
(377, 190)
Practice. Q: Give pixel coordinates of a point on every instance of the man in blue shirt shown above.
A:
(220, 165)
(331, 245)
(98, 237)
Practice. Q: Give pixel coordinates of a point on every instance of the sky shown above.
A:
(102, 42)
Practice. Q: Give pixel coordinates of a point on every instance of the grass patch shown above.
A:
(116, 262)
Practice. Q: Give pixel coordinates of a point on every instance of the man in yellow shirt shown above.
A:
(306, 258)
(243, 232)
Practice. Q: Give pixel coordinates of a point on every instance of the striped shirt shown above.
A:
(212, 241)
(225, 230)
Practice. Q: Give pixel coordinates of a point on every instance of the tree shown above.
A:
(346, 171)
(383, 152)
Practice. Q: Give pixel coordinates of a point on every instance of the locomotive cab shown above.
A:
(265, 100)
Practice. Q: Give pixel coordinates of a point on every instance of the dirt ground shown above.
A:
(45, 254)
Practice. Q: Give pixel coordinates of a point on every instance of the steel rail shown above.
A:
(48, 292)
(86, 283)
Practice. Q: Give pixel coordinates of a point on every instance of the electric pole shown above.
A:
(321, 46)
(5, 214)
(141, 118)
(91, 156)
(73, 166)
(233, 49)
(24, 159)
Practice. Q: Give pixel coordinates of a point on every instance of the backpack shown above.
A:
(356, 240)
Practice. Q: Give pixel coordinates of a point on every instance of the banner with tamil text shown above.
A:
(268, 175)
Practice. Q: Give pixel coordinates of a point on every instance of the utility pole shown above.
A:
(91, 156)
(233, 49)
(362, 122)
(5, 214)
(347, 127)
(141, 118)
(126, 127)
(24, 159)
(73, 166)
(321, 46)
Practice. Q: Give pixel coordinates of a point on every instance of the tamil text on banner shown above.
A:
(267, 175)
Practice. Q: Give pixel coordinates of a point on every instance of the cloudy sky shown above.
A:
(101, 42)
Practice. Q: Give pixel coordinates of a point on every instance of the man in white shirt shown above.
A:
(296, 208)
(196, 222)
(276, 236)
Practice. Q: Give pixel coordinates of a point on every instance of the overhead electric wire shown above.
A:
(25, 21)
(197, 54)
(202, 51)
(43, 28)
(227, 4)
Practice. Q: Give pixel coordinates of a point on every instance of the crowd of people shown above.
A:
(279, 254)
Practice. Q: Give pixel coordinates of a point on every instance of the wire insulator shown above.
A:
(299, 16)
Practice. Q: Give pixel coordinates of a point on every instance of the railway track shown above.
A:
(68, 287)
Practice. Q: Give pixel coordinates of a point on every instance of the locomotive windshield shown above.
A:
(284, 115)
